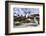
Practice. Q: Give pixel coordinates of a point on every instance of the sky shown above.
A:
(21, 11)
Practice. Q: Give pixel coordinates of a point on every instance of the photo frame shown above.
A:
(24, 17)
